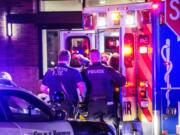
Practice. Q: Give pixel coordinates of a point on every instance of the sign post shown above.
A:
(172, 15)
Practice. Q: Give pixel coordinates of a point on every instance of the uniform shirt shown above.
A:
(101, 79)
(63, 76)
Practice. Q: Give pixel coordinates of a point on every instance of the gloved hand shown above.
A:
(82, 106)
(82, 111)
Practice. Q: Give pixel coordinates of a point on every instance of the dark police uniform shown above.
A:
(100, 80)
(63, 76)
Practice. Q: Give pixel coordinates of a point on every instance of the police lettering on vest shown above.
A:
(63, 74)
(59, 71)
(96, 71)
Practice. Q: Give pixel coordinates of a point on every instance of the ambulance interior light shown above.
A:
(155, 6)
(114, 34)
(53, 63)
(102, 2)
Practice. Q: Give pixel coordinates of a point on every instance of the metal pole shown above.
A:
(122, 70)
(156, 70)
(121, 56)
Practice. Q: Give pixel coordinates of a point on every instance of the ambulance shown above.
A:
(148, 56)
(148, 51)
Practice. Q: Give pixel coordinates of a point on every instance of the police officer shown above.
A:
(100, 80)
(114, 63)
(65, 79)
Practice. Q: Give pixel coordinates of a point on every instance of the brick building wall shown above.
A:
(19, 54)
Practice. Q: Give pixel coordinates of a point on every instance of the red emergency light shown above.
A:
(127, 50)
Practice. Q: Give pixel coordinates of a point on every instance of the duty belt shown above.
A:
(98, 98)
(102, 98)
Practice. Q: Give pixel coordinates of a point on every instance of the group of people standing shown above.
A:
(94, 85)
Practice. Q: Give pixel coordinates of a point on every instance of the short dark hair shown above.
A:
(96, 52)
(114, 61)
(95, 55)
(64, 55)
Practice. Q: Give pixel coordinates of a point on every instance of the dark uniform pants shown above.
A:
(100, 111)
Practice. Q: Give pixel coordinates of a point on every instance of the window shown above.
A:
(2, 113)
(60, 5)
(52, 48)
(20, 106)
(79, 47)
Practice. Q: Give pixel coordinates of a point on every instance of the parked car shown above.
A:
(22, 113)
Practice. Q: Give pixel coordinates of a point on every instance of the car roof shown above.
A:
(13, 88)
(16, 89)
